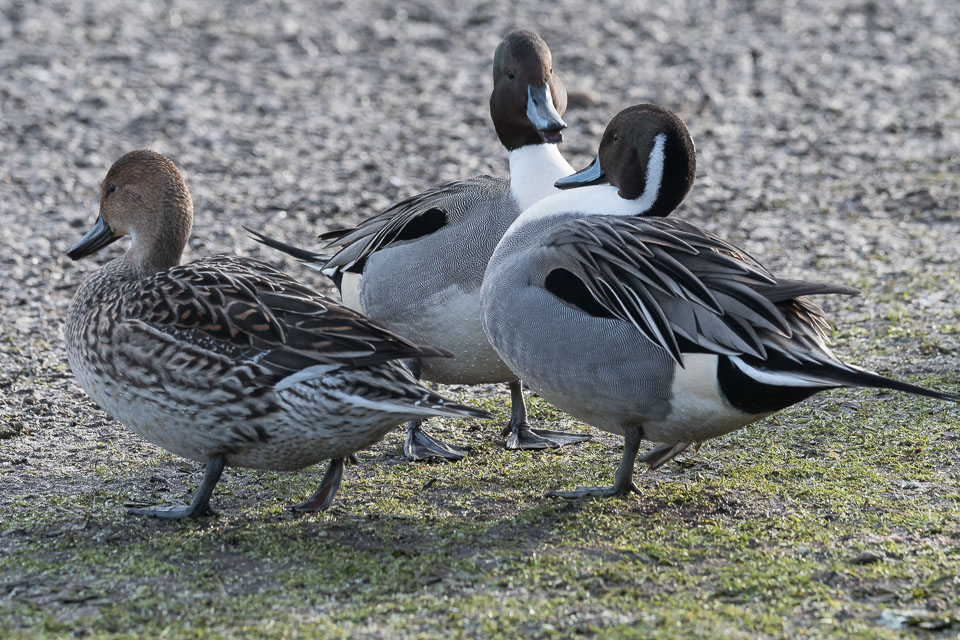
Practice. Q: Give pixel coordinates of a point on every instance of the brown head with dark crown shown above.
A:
(528, 99)
(647, 153)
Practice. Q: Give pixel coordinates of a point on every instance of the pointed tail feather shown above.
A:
(786, 289)
(312, 259)
(857, 377)
(824, 375)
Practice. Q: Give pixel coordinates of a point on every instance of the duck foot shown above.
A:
(659, 456)
(323, 497)
(419, 446)
(623, 481)
(523, 437)
(596, 492)
(199, 506)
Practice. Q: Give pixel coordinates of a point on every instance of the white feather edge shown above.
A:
(404, 408)
(777, 378)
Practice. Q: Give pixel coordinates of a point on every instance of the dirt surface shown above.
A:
(828, 139)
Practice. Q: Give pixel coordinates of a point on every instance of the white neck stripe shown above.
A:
(654, 177)
(602, 199)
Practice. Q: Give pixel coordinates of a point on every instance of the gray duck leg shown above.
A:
(624, 479)
(419, 446)
(521, 436)
(200, 505)
(323, 497)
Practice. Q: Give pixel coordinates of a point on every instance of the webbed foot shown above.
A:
(419, 446)
(623, 481)
(199, 506)
(523, 437)
(172, 511)
(596, 492)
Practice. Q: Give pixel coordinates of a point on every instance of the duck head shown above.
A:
(143, 196)
(648, 154)
(528, 99)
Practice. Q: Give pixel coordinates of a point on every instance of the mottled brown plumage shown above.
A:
(226, 359)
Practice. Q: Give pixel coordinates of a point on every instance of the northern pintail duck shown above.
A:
(417, 267)
(652, 327)
(226, 360)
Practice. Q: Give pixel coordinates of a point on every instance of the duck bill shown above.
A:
(585, 177)
(542, 113)
(97, 238)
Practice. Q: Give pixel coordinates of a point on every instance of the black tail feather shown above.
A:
(314, 259)
(742, 388)
(786, 289)
(857, 377)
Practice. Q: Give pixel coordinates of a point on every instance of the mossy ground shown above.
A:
(838, 518)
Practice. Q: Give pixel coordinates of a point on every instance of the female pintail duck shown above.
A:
(225, 359)
(417, 267)
(651, 327)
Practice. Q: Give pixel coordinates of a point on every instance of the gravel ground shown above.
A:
(828, 137)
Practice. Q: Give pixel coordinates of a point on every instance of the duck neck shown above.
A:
(533, 170)
(157, 248)
(595, 200)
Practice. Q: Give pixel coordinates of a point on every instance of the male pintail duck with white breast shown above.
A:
(417, 267)
(226, 360)
(647, 327)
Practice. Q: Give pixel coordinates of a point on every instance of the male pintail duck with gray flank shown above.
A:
(417, 267)
(226, 360)
(652, 327)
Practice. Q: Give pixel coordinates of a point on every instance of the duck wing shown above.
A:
(245, 309)
(679, 285)
(416, 217)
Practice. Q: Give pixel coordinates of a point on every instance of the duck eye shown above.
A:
(511, 75)
(616, 136)
(111, 188)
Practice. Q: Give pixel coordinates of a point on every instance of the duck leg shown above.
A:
(623, 483)
(323, 497)
(521, 436)
(419, 446)
(200, 505)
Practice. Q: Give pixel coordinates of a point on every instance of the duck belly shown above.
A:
(687, 406)
(279, 431)
(453, 323)
(604, 372)
(142, 405)
(447, 317)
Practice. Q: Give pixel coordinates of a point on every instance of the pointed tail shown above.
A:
(854, 376)
(312, 259)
